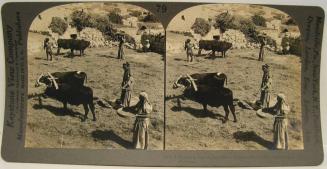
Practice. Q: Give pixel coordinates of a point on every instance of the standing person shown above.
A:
(189, 51)
(47, 46)
(146, 47)
(141, 125)
(127, 72)
(121, 52)
(127, 89)
(262, 41)
(265, 87)
(280, 124)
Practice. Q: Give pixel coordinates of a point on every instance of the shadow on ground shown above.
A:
(59, 111)
(252, 136)
(198, 113)
(111, 135)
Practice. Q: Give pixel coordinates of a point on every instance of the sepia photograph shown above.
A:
(96, 78)
(233, 79)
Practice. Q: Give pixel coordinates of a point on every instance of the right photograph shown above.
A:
(233, 79)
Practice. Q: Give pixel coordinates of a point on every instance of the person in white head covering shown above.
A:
(142, 121)
(280, 124)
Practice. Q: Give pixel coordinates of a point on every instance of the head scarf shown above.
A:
(282, 106)
(145, 106)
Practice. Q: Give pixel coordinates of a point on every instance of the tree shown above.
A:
(58, 25)
(224, 21)
(201, 26)
(259, 20)
(80, 20)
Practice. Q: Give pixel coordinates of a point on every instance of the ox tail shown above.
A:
(86, 78)
(226, 80)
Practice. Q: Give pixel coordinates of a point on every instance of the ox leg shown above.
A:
(91, 105)
(86, 109)
(232, 109)
(72, 52)
(226, 113)
(40, 100)
(205, 108)
(58, 51)
(199, 52)
(65, 107)
(81, 52)
(179, 105)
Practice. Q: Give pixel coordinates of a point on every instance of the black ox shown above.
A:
(72, 44)
(215, 46)
(68, 87)
(205, 92)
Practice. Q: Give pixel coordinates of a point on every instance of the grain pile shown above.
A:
(95, 37)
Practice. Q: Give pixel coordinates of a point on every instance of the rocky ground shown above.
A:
(191, 129)
(47, 125)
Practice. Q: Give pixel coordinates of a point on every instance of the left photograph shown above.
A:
(95, 78)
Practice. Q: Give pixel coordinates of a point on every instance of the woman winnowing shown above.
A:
(142, 121)
(280, 124)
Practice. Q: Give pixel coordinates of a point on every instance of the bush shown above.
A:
(150, 18)
(115, 17)
(259, 20)
(224, 21)
(294, 43)
(80, 20)
(290, 21)
(201, 26)
(58, 25)
(135, 13)
(247, 27)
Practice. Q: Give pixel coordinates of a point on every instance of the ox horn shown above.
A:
(176, 82)
(38, 83)
(192, 82)
(54, 81)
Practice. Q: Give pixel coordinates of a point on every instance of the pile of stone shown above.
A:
(95, 37)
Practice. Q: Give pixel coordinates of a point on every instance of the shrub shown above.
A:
(259, 20)
(247, 27)
(80, 20)
(135, 13)
(201, 26)
(58, 25)
(290, 21)
(224, 21)
(294, 43)
(115, 17)
(150, 18)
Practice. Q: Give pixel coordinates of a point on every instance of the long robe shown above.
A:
(121, 52)
(126, 94)
(265, 88)
(141, 126)
(280, 126)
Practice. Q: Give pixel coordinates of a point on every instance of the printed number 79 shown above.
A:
(161, 8)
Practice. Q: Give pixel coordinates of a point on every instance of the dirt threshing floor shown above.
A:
(190, 128)
(47, 125)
